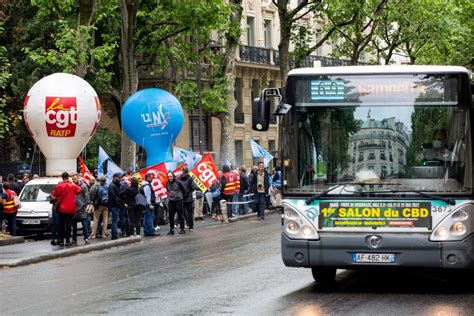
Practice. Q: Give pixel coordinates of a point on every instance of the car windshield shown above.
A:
(422, 143)
(37, 192)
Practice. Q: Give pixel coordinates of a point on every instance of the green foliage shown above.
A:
(5, 118)
(108, 140)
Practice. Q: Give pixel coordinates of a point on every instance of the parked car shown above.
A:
(35, 215)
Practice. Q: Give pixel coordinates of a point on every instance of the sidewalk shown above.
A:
(38, 251)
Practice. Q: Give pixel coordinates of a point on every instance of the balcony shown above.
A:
(257, 55)
(268, 56)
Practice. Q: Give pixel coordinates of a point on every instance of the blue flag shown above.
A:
(103, 157)
(258, 151)
(111, 169)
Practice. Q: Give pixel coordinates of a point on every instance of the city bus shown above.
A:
(377, 167)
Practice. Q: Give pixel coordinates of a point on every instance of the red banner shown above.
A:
(205, 173)
(178, 171)
(86, 174)
(159, 178)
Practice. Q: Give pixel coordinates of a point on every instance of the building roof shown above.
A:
(371, 123)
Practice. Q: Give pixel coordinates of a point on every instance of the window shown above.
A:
(371, 155)
(250, 31)
(272, 146)
(267, 33)
(382, 155)
(361, 156)
(239, 153)
(194, 131)
(384, 172)
(255, 89)
(239, 110)
(371, 167)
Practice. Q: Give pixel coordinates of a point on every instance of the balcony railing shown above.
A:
(256, 55)
(261, 55)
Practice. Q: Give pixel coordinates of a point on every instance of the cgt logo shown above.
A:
(61, 116)
(206, 174)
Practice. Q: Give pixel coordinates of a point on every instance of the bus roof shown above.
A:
(377, 69)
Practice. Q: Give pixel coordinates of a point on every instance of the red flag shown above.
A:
(86, 174)
(178, 171)
(159, 178)
(205, 173)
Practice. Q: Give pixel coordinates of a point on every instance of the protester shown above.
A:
(117, 208)
(9, 208)
(81, 216)
(198, 204)
(188, 211)
(260, 187)
(235, 196)
(3, 196)
(244, 186)
(215, 191)
(135, 212)
(65, 194)
(276, 188)
(228, 185)
(252, 180)
(13, 183)
(149, 193)
(100, 197)
(175, 202)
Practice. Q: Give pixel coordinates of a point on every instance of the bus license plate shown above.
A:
(31, 222)
(373, 257)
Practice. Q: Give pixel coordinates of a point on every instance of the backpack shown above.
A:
(215, 190)
(140, 200)
(102, 197)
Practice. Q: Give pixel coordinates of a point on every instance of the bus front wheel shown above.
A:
(324, 275)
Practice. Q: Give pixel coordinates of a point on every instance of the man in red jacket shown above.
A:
(65, 196)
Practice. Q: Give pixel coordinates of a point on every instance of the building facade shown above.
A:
(380, 146)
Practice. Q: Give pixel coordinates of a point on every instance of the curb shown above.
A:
(251, 215)
(12, 240)
(69, 252)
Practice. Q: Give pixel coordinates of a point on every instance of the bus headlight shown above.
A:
(455, 226)
(296, 225)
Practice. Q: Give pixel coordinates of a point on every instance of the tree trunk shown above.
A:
(227, 151)
(87, 9)
(128, 10)
(285, 35)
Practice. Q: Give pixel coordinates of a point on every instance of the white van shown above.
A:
(35, 214)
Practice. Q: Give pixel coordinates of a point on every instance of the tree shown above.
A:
(5, 120)
(354, 38)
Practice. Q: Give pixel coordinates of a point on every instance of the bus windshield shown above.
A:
(403, 132)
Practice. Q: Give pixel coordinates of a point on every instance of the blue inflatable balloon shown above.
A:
(153, 118)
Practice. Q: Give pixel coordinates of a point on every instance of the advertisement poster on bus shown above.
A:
(375, 214)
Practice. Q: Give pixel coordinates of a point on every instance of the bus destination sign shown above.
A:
(375, 214)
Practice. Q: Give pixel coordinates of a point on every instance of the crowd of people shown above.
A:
(132, 206)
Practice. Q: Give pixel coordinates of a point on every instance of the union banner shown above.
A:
(205, 173)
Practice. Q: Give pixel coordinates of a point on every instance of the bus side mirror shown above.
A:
(261, 113)
(261, 108)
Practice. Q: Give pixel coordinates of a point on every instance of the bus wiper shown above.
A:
(324, 193)
(422, 193)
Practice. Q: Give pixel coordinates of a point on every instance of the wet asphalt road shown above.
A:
(220, 269)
